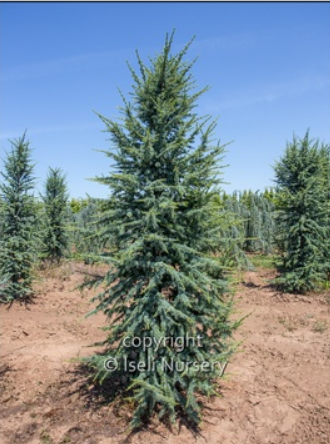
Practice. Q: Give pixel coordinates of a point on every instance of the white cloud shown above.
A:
(51, 129)
(228, 43)
(271, 93)
(46, 67)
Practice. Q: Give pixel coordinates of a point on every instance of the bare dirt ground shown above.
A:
(277, 388)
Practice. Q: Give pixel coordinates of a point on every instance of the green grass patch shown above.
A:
(320, 326)
(264, 261)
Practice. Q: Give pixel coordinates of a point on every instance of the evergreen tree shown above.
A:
(259, 222)
(162, 283)
(2, 207)
(231, 236)
(325, 165)
(56, 239)
(77, 205)
(270, 194)
(250, 225)
(85, 230)
(303, 200)
(17, 243)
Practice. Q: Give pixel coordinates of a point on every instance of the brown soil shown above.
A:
(276, 389)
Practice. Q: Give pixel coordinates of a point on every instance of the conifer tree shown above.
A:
(17, 243)
(56, 239)
(162, 283)
(259, 222)
(250, 224)
(85, 230)
(1, 217)
(232, 235)
(325, 165)
(303, 201)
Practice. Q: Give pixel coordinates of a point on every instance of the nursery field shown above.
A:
(276, 389)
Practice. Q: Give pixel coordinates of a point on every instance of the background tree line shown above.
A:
(290, 220)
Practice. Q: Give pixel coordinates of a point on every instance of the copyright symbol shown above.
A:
(110, 364)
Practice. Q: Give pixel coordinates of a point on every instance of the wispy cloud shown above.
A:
(53, 66)
(226, 43)
(272, 93)
(262, 37)
(51, 129)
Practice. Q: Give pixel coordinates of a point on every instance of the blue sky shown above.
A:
(268, 66)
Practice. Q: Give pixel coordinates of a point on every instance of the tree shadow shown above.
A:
(113, 392)
(250, 285)
(27, 301)
(88, 273)
(4, 369)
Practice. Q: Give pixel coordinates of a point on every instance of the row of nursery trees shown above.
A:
(169, 235)
(248, 223)
(55, 227)
(58, 228)
(31, 230)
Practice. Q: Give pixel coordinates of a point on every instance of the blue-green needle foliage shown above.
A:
(17, 243)
(56, 238)
(162, 283)
(303, 225)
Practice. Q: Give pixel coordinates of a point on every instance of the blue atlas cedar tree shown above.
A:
(303, 221)
(55, 235)
(85, 230)
(17, 243)
(162, 283)
(248, 225)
